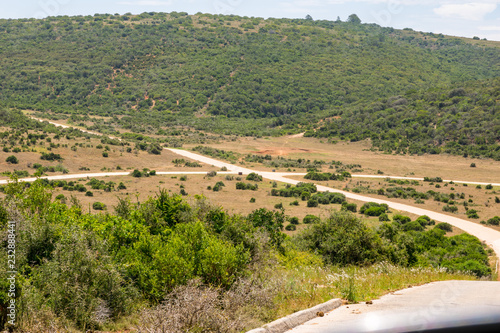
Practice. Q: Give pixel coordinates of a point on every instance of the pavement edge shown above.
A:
(298, 318)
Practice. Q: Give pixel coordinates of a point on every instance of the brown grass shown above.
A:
(445, 166)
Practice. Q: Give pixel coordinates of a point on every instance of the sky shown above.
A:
(466, 18)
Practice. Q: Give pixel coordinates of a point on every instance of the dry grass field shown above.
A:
(444, 166)
(89, 158)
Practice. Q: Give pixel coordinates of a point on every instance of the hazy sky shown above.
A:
(453, 17)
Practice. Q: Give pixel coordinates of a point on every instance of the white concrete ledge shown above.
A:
(298, 318)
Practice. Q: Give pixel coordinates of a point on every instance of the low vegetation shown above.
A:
(162, 256)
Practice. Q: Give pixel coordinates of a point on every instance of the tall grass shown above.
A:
(303, 287)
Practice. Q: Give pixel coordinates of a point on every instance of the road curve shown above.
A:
(485, 234)
(426, 307)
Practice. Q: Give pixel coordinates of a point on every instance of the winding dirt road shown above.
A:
(485, 234)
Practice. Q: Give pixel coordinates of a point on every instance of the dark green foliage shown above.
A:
(326, 198)
(489, 187)
(272, 222)
(170, 208)
(444, 226)
(326, 176)
(295, 191)
(51, 157)
(290, 227)
(433, 179)
(255, 177)
(472, 214)
(342, 239)
(137, 173)
(12, 160)
(97, 184)
(218, 186)
(310, 219)
(451, 209)
(98, 206)
(383, 217)
(294, 220)
(278, 206)
(494, 220)
(428, 121)
(312, 203)
(401, 219)
(246, 186)
(105, 154)
(373, 209)
(413, 225)
(352, 207)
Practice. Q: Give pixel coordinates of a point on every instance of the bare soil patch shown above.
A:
(282, 151)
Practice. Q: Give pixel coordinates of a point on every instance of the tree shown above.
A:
(12, 160)
(309, 17)
(353, 18)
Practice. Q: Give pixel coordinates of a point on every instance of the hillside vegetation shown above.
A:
(461, 120)
(240, 75)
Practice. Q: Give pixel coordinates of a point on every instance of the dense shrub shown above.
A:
(342, 239)
(444, 226)
(308, 219)
(373, 209)
(12, 160)
(98, 206)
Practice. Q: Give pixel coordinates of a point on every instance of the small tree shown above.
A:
(353, 18)
(12, 160)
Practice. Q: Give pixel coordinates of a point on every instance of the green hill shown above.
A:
(464, 119)
(223, 74)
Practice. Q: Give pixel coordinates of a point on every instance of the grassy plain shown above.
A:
(445, 166)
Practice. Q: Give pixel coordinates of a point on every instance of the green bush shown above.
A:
(290, 227)
(136, 173)
(254, 177)
(444, 226)
(308, 219)
(494, 220)
(373, 209)
(98, 206)
(12, 160)
(352, 207)
(383, 217)
(472, 214)
(413, 225)
(312, 203)
(401, 218)
(342, 239)
(294, 220)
